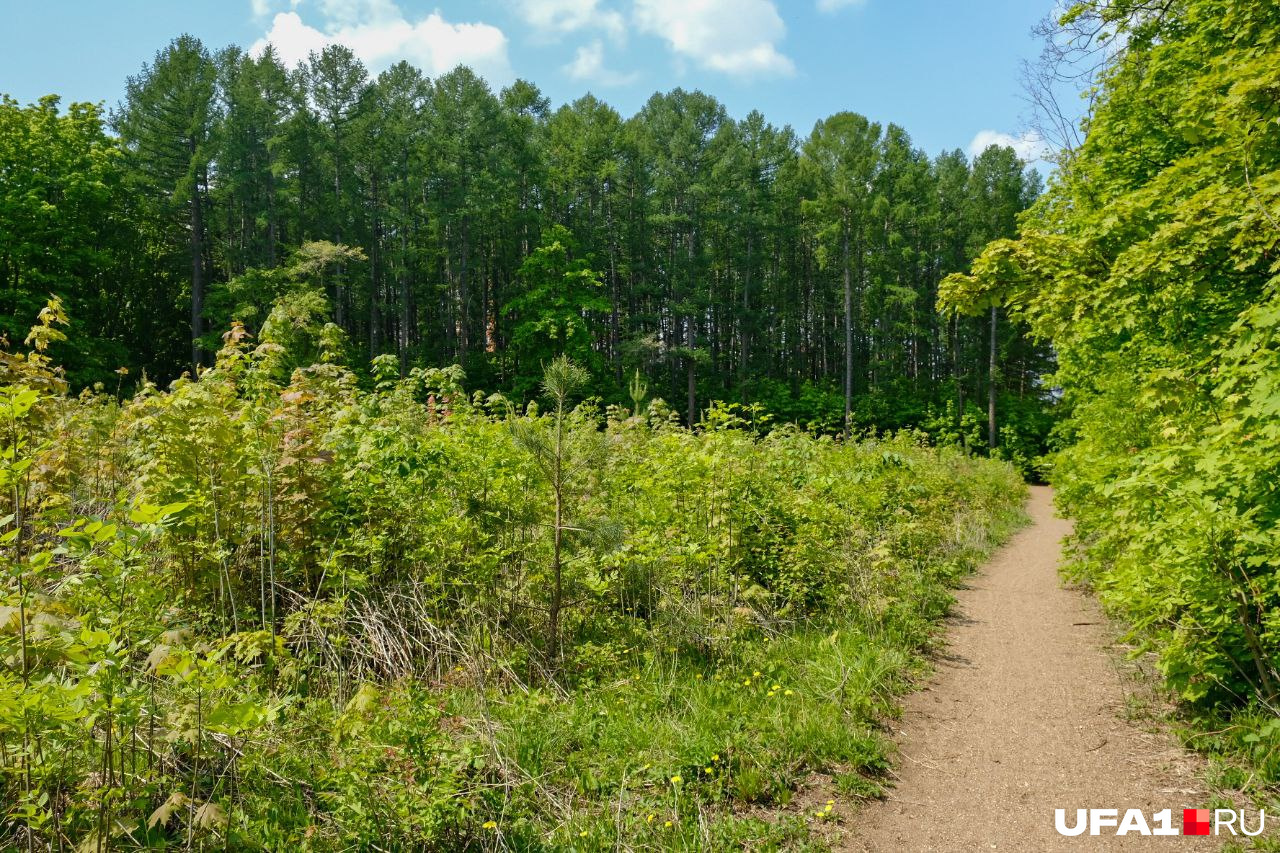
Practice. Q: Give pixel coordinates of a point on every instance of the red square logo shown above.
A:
(1195, 821)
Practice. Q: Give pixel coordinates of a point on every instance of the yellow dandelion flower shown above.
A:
(698, 677)
(667, 824)
(755, 674)
(708, 768)
(787, 693)
(676, 780)
(650, 818)
(582, 834)
(715, 757)
(747, 683)
(777, 687)
(831, 802)
(489, 824)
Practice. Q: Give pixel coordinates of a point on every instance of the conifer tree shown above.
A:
(166, 124)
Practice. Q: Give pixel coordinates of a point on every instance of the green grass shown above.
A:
(678, 754)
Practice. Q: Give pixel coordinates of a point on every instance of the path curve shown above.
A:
(1025, 714)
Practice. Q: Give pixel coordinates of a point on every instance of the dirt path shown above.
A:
(1025, 714)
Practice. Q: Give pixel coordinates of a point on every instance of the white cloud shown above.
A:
(588, 66)
(1028, 145)
(379, 33)
(292, 39)
(556, 17)
(735, 37)
(836, 5)
(263, 8)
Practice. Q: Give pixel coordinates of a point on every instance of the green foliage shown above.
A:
(271, 609)
(167, 130)
(712, 254)
(66, 227)
(1151, 265)
(552, 314)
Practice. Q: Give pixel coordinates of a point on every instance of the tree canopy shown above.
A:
(729, 259)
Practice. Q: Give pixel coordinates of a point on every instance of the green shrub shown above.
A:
(266, 612)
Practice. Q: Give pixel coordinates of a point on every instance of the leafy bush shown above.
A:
(299, 612)
(1151, 264)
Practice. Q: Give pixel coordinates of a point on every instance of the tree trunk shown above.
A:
(691, 340)
(557, 563)
(991, 384)
(339, 292)
(464, 294)
(615, 336)
(692, 387)
(404, 281)
(197, 276)
(375, 268)
(744, 329)
(955, 373)
(272, 234)
(402, 340)
(848, 338)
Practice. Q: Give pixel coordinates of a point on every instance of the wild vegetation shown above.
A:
(280, 608)
(341, 505)
(1151, 263)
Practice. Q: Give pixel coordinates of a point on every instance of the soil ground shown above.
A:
(1026, 713)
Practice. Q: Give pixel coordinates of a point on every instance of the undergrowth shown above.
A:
(289, 609)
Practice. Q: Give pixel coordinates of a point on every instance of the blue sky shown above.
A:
(946, 71)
